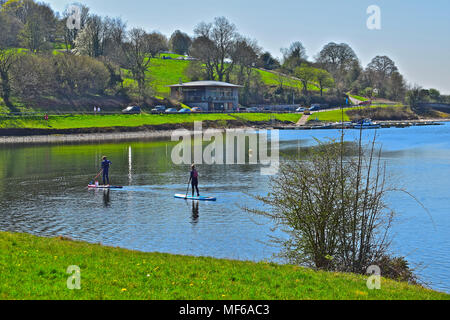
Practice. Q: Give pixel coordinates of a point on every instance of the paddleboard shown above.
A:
(91, 186)
(183, 196)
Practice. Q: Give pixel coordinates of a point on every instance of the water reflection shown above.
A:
(106, 198)
(195, 212)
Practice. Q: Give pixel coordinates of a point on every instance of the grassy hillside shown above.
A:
(35, 268)
(336, 115)
(163, 73)
(99, 121)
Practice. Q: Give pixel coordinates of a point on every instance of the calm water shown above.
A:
(42, 191)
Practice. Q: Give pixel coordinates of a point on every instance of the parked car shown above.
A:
(185, 110)
(196, 109)
(253, 109)
(159, 109)
(240, 109)
(132, 110)
(314, 108)
(301, 109)
(171, 110)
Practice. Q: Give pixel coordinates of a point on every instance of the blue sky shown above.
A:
(415, 34)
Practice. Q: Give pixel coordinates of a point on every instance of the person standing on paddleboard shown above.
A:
(105, 167)
(194, 180)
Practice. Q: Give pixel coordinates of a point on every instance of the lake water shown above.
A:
(43, 192)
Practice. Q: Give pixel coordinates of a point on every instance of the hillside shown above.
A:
(165, 72)
(39, 265)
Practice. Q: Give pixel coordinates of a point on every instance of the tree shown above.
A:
(435, 95)
(268, 62)
(136, 50)
(324, 79)
(332, 203)
(203, 48)
(8, 58)
(414, 96)
(379, 71)
(70, 35)
(219, 40)
(180, 42)
(306, 74)
(92, 38)
(39, 28)
(294, 56)
(157, 43)
(396, 87)
(10, 28)
(337, 59)
(245, 57)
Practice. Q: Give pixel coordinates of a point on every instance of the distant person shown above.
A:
(95, 110)
(194, 180)
(105, 167)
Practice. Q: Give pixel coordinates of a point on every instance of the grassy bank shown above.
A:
(386, 112)
(101, 121)
(35, 268)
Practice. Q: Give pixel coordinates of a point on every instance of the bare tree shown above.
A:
(135, 51)
(202, 48)
(332, 204)
(8, 58)
(219, 39)
(157, 43)
(294, 56)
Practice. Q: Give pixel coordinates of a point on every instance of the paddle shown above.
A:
(93, 181)
(187, 191)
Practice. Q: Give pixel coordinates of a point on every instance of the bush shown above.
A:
(332, 207)
(63, 75)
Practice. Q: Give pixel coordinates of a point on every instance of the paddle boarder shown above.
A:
(105, 167)
(194, 180)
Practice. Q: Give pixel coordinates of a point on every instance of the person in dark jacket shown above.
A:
(105, 167)
(194, 180)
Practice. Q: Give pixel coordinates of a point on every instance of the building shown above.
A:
(207, 95)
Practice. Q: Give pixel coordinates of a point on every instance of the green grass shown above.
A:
(35, 268)
(92, 121)
(163, 73)
(358, 97)
(336, 115)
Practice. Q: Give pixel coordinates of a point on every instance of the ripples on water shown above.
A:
(42, 191)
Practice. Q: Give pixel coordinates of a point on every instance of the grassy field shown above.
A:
(35, 268)
(99, 121)
(163, 73)
(336, 115)
(358, 97)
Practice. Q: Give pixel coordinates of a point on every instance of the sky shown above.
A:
(415, 34)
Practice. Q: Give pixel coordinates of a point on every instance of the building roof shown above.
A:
(206, 84)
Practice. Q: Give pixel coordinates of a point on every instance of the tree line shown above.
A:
(92, 60)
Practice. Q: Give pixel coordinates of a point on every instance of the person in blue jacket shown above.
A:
(105, 167)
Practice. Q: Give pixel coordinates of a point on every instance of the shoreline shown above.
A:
(116, 134)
